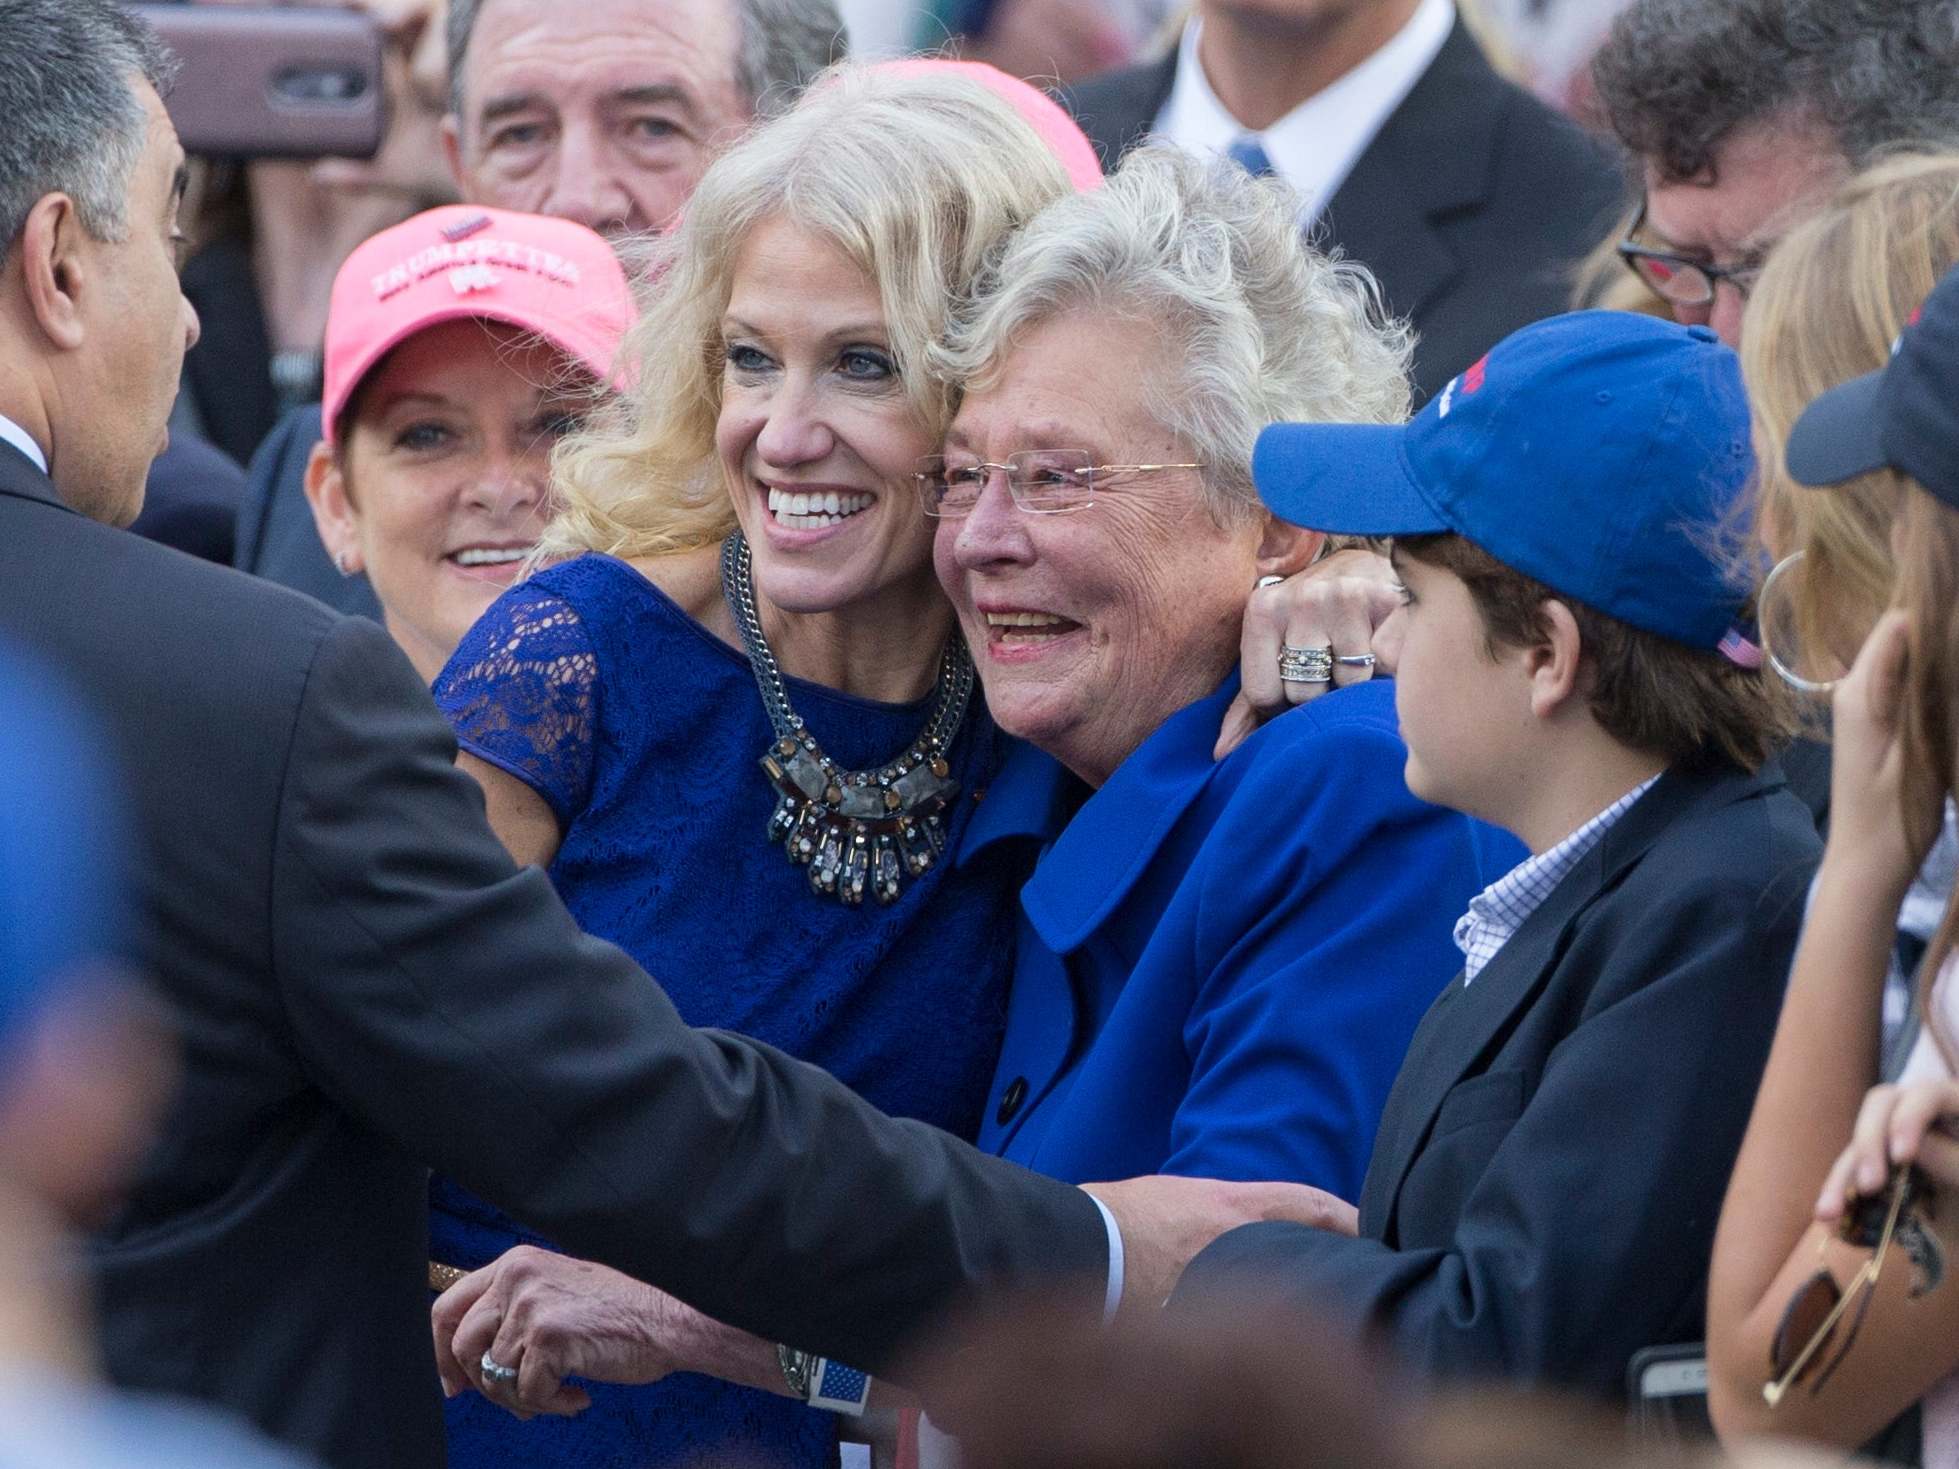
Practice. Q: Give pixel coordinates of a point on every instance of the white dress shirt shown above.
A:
(13, 433)
(1315, 146)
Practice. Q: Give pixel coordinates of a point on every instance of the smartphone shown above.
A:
(274, 81)
(1667, 1387)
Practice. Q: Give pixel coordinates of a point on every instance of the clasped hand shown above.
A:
(551, 1317)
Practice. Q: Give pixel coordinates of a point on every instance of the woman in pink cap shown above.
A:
(741, 615)
(460, 346)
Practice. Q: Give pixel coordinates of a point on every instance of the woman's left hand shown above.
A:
(1870, 841)
(1336, 604)
(551, 1317)
(1897, 1125)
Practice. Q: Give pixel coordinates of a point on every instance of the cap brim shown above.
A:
(1837, 437)
(565, 331)
(1349, 479)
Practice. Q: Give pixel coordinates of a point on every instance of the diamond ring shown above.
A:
(496, 1372)
(1305, 665)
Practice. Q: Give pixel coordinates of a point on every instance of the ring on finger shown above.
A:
(1305, 665)
(496, 1372)
(1355, 660)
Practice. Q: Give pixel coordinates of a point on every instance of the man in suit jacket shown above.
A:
(1468, 199)
(364, 984)
(1552, 1158)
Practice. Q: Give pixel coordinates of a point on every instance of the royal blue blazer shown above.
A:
(1219, 965)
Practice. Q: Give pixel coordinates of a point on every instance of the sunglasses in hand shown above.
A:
(1805, 1347)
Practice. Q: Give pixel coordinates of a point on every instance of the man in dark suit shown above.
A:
(1468, 199)
(364, 985)
(1545, 1182)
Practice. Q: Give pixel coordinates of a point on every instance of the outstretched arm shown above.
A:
(1822, 1064)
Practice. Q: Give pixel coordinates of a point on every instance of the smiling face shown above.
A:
(817, 437)
(605, 112)
(1090, 628)
(443, 482)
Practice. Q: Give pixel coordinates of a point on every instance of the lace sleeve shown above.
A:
(522, 692)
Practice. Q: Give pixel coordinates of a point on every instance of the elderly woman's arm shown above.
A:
(1317, 961)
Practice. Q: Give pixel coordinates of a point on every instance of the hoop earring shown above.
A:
(1783, 671)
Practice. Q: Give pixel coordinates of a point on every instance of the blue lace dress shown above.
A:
(642, 730)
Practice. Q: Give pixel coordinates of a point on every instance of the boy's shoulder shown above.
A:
(1735, 853)
(1745, 828)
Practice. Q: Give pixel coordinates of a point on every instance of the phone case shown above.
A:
(273, 81)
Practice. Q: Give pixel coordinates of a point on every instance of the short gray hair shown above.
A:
(1676, 77)
(73, 124)
(783, 46)
(1259, 327)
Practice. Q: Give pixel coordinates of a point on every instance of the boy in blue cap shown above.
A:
(1541, 1200)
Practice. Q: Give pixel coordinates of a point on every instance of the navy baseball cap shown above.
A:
(1903, 416)
(1598, 453)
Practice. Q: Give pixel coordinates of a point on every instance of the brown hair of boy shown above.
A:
(1688, 706)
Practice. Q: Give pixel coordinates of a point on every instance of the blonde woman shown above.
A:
(738, 723)
(1829, 306)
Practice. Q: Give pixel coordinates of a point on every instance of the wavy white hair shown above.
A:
(1258, 326)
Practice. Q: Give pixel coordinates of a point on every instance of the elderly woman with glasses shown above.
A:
(1217, 964)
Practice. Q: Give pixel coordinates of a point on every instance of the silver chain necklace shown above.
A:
(853, 829)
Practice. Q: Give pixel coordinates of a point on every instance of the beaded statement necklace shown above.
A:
(854, 829)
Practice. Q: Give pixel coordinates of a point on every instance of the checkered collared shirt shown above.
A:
(1501, 908)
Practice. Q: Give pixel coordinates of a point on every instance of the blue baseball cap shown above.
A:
(1597, 453)
(1904, 416)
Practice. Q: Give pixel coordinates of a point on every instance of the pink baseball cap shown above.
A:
(462, 261)
(1040, 111)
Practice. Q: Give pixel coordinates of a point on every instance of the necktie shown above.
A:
(1250, 154)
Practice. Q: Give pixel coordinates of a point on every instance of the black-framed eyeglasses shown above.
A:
(1681, 280)
(1803, 1338)
(1041, 481)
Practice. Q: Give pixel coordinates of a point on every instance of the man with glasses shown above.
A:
(1744, 116)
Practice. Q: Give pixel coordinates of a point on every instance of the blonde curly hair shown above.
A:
(913, 177)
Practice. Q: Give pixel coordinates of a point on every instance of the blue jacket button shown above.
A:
(1010, 1100)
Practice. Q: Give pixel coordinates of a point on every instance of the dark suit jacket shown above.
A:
(1470, 206)
(191, 500)
(1544, 1187)
(277, 538)
(368, 987)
